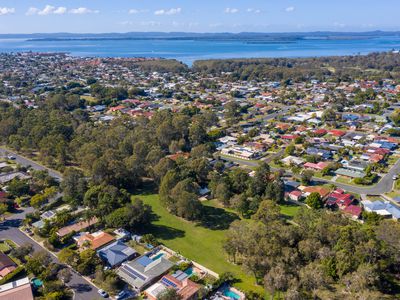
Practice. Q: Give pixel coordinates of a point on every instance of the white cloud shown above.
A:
(172, 11)
(82, 11)
(290, 9)
(253, 10)
(229, 10)
(32, 11)
(6, 11)
(47, 10)
(137, 11)
(60, 10)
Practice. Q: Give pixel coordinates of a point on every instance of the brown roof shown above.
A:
(5, 261)
(317, 189)
(76, 227)
(96, 240)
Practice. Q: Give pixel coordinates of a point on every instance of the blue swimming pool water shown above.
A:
(158, 256)
(189, 271)
(231, 294)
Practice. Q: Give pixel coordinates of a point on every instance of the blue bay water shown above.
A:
(188, 51)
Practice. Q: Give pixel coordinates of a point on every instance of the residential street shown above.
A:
(28, 162)
(384, 185)
(83, 290)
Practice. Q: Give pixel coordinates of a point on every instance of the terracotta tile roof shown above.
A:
(317, 189)
(96, 240)
(76, 227)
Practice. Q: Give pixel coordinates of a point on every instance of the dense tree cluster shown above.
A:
(324, 255)
(237, 189)
(384, 65)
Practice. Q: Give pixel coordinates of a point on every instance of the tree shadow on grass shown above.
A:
(215, 218)
(165, 232)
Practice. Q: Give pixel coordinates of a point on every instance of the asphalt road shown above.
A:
(83, 290)
(26, 162)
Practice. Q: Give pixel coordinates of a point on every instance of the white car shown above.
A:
(395, 177)
(103, 293)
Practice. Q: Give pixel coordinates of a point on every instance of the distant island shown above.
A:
(243, 36)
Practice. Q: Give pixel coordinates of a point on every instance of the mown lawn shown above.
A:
(199, 242)
(289, 210)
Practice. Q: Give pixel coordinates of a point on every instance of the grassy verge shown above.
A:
(199, 242)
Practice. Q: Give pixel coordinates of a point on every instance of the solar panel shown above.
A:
(168, 282)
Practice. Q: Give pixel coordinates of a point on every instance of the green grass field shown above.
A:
(199, 242)
(289, 210)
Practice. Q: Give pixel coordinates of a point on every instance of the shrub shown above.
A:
(14, 275)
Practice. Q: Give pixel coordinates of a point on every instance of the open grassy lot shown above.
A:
(199, 242)
(289, 210)
(89, 99)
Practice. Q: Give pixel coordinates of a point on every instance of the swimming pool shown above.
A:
(157, 256)
(37, 283)
(190, 271)
(231, 294)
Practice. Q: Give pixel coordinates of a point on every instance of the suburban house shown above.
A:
(295, 195)
(116, 253)
(324, 192)
(144, 271)
(354, 211)
(7, 265)
(325, 154)
(349, 173)
(292, 160)
(318, 166)
(16, 290)
(179, 281)
(76, 227)
(357, 165)
(385, 209)
(122, 234)
(339, 199)
(240, 152)
(95, 240)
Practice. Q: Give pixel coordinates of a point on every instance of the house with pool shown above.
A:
(179, 281)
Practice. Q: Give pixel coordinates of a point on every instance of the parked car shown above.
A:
(103, 293)
(10, 157)
(121, 295)
(395, 177)
(125, 294)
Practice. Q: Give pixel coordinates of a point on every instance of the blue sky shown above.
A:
(28, 16)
